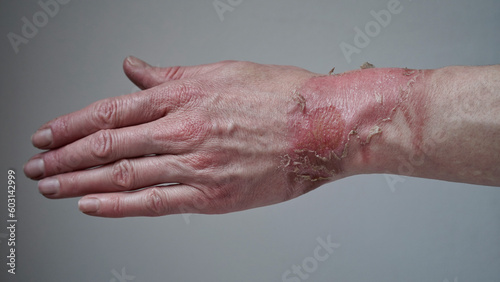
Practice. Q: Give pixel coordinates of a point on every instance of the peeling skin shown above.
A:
(300, 100)
(332, 113)
(374, 131)
(367, 65)
(318, 133)
(408, 72)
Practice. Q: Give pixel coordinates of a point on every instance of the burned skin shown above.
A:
(336, 113)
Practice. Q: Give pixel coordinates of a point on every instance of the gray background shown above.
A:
(415, 230)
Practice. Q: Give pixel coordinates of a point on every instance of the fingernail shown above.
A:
(42, 138)
(34, 168)
(48, 186)
(133, 61)
(88, 205)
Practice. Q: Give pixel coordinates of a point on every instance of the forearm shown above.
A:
(442, 124)
(451, 131)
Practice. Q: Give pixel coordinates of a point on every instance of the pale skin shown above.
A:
(237, 135)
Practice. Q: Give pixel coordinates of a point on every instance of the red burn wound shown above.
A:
(320, 130)
(318, 136)
(330, 112)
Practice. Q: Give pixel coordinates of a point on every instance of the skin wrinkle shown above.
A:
(322, 129)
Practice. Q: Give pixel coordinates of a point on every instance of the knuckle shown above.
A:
(101, 144)
(105, 113)
(174, 72)
(115, 205)
(184, 93)
(123, 175)
(153, 202)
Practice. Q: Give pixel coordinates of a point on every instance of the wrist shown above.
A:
(357, 122)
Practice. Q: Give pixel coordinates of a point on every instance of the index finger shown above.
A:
(126, 110)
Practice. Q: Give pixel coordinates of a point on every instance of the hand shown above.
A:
(218, 133)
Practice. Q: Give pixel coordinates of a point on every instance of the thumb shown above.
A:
(142, 74)
(146, 76)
